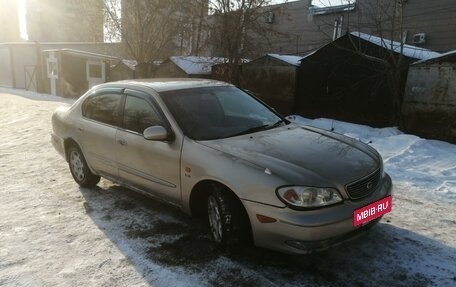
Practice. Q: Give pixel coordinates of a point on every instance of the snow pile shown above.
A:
(428, 165)
(35, 96)
(448, 56)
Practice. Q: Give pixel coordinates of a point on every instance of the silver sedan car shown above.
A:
(215, 151)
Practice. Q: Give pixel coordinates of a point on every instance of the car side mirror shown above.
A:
(156, 133)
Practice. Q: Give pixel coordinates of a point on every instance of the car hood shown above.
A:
(303, 155)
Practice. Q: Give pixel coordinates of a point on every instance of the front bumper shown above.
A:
(301, 232)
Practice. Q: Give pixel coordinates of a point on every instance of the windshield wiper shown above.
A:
(252, 130)
(277, 123)
(261, 128)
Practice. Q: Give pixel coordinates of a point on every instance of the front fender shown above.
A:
(247, 180)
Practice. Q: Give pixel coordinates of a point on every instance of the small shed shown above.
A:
(227, 72)
(429, 107)
(123, 70)
(351, 79)
(23, 64)
(71, 73)
(187, 67)
(272, 78)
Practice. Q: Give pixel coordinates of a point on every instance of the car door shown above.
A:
(96, 130)
(150, 165)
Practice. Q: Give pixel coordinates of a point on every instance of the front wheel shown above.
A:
(79, 168)
(227, 220)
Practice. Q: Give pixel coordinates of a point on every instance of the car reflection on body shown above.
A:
(215, 151)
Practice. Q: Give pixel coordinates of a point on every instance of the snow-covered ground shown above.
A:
(53, 233)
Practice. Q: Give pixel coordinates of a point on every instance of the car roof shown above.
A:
(166, 84)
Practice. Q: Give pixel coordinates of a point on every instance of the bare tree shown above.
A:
(236, 31)
(386, 20)
(234, 27)
(155, 29)
(91, 20)
(192, 27)
(147, 28)
(112, 21)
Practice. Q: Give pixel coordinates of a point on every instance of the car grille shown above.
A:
(363, 187)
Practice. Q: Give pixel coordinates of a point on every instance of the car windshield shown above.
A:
(219, 112)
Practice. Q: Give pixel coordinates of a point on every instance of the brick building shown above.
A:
(298, 27)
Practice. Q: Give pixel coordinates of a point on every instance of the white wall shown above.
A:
(6, 75)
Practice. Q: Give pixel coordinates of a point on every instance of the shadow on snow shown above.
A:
(153, 236)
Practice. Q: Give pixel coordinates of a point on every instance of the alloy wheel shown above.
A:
(215, 220)
(77, 166)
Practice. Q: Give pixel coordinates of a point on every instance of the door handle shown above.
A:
(122, 142)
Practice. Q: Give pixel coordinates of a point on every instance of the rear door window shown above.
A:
(103, 108)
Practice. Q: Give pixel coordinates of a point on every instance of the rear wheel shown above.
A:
(227, 220)
(79, 168)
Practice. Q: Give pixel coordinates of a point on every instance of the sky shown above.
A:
(22, 23)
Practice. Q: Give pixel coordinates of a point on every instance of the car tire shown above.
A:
(227, 220)
(79, 168)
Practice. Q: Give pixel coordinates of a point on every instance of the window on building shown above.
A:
(95, 71)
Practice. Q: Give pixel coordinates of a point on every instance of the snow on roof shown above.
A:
(408, 50)
(196, 65)
(448, 56)
(81, 53)
(130, 63)
(290, 59)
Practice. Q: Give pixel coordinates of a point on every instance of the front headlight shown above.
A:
(308, 197)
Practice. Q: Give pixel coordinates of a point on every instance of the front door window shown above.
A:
(139, 115)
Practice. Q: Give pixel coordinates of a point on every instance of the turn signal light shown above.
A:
(265, 219)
